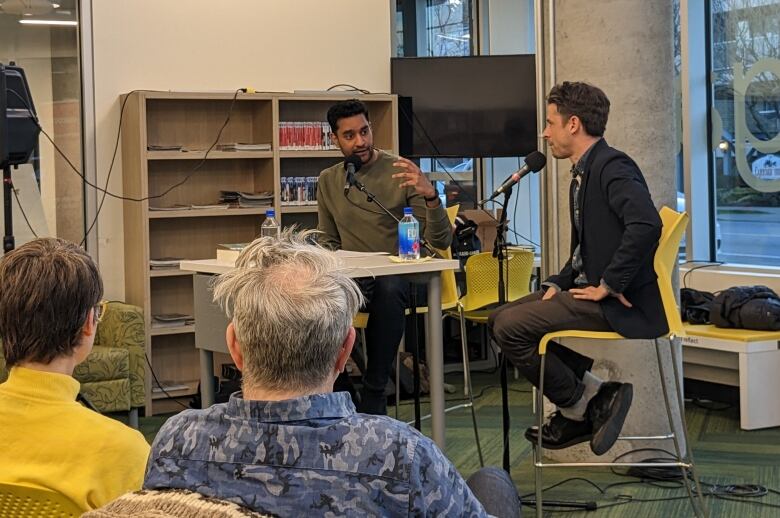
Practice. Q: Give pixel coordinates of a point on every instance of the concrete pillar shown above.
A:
(625, 48)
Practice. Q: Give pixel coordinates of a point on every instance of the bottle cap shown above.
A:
(270, 213)
(407, 211)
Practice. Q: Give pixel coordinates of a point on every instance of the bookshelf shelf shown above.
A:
(213, 155)
(329, 153)
(192, 120)
(204, 213)
(299, 209)
(180, 330)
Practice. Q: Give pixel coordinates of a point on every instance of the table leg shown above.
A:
(435, 354)
(206, 378)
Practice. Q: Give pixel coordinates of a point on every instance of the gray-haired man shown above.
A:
(287, 445)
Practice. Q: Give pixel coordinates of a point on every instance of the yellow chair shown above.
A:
(29, 502)
(481, 286)
(666, 257)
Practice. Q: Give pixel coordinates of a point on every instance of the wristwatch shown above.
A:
(432, 198)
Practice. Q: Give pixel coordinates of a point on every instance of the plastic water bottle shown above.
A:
(408, 236)
(270, 227)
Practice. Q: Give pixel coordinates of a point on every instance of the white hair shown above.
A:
(292, 306)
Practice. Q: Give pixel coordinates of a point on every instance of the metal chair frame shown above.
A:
(665, 258)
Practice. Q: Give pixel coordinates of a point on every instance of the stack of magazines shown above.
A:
(239, 146)
(165, 263)
(172, 320)
(248, 199)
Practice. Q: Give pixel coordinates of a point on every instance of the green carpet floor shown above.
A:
(724, 455)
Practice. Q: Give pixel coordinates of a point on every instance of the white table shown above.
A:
(211, 321)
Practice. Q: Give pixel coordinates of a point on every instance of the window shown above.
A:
(42, 37)
(745, 141)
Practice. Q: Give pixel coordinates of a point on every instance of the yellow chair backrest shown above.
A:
(666, 257)
(482, 278)
(29, 502)
(449, 288)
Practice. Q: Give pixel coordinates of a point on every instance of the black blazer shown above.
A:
(620, 229)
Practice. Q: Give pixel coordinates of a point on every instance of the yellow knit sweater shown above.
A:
(49, 441)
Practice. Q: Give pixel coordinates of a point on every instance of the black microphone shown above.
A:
(352, 164)
(533, 163)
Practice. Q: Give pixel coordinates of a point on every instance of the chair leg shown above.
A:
(538, 446)
(465, 347)
(133, 418)
(470, 393)
(670, 415)
(683, 422)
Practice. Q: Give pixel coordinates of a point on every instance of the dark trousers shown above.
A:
(387, 298)
(496, 492)
(517, 328)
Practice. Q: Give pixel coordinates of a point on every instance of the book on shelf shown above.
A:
(165, 263)
(248, 199)
(165, 147)
(240, 146)
(166, 320)
(197, 206)
(177, 206)
(169, 386)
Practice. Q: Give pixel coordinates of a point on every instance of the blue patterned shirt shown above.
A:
(311, 456)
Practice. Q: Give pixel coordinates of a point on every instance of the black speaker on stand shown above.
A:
(18, 135)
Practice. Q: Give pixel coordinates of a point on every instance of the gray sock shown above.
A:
(576, 412)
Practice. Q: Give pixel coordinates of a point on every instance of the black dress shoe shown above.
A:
(607, 411)
(560, 432)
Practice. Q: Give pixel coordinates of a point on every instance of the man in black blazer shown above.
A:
(608, 283)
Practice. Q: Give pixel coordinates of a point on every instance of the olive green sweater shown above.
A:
(352, 223)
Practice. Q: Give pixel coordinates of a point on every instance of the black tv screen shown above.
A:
(471, 106)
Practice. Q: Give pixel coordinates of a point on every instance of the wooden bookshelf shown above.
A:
(192, 121)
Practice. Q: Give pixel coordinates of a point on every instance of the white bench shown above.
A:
(741, 358)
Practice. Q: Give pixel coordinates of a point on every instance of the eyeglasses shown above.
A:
(100, 311)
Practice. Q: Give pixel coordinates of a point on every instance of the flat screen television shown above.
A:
(471, 106)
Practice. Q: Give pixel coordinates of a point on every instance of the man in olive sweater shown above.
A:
(352, 223)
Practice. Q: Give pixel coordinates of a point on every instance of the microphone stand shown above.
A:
(499, 251)
(371, 198)
(8, 238)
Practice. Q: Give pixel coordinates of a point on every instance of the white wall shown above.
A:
(270, 45)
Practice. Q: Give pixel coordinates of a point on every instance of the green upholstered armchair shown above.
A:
(112, 376)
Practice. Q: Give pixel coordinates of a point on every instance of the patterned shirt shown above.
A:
(310, 456)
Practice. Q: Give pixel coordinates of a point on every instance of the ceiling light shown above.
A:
(69, 23)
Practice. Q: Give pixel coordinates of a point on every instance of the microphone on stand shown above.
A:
(533, 163)
(352, 164)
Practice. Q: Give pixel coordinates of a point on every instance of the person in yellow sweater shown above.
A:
(50, 292)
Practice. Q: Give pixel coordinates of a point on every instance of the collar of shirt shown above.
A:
(318, 406)
(578, 169)
(41, 385)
